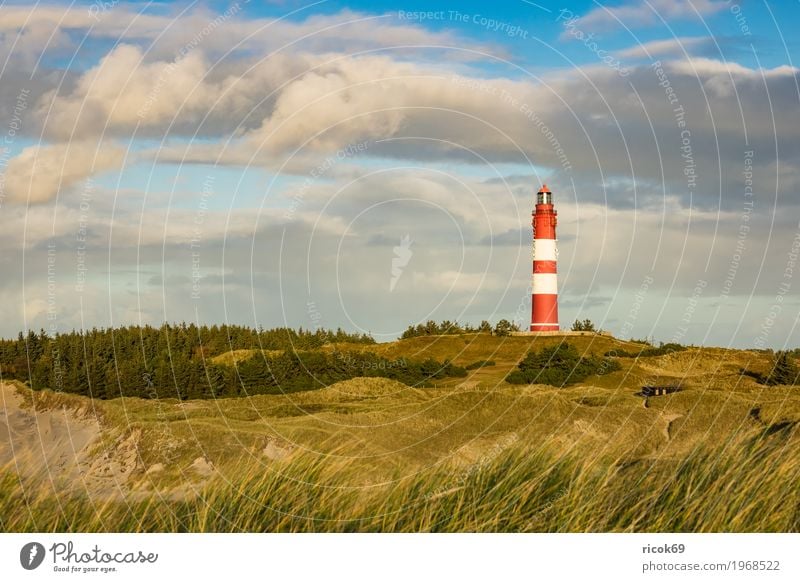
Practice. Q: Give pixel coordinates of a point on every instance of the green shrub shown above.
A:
(480, 364)
(559, 366)
(585, 325)
(505, 328)
(299, 371)
(662, 350)
(784, 370)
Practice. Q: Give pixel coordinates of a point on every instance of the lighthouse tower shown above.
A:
(544, 308)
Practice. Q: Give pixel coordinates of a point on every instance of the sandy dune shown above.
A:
(51, 444)
(66, 449)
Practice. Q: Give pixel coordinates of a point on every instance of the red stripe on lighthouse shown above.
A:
(544, 266)
(545, 313)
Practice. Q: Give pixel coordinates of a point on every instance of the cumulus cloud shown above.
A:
(124, 92)
(40, 172)
(593, 126)
(285, 111)
(713, 67)
(49, 28)
(288, 113)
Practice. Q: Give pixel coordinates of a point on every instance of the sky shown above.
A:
(372, 165)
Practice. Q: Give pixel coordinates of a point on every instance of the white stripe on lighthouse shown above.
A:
(544, 249)
(545, 284)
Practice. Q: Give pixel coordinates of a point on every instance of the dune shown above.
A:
(53, 442)
(57, 445)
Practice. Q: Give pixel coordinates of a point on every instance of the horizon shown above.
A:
(651, 340)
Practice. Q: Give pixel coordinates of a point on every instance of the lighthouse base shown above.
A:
(544, 327)
(560, 333)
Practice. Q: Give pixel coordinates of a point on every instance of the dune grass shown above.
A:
(468, 454)
(749, 485)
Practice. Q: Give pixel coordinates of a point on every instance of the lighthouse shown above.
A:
(544, 301)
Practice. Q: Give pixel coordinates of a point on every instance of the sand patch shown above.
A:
(202, 467)
(52, 443)
(64, 446)
(276, 451)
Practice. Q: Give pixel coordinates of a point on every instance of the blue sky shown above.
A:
(263, 162)
(542, 21)
(738, 28)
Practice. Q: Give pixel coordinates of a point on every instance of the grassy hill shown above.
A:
(467, 454)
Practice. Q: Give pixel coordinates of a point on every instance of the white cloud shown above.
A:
(39, 173)
(317, 105)
(720, 78)
(168, 36)
(711, 67)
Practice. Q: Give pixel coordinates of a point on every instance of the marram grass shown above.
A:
(749, 485)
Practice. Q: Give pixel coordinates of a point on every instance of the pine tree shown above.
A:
(784, 370)
(585, 325)
(503, 328)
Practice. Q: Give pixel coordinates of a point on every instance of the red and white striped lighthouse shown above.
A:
(544, 308)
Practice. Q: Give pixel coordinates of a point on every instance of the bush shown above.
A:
(310, 370)
(432, 328)
(559, 366)
(504, 328)
(479, 364)
(662, 350)
(784, 370)
(585, 325)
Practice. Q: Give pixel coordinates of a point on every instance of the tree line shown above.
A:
(503, 327)
(647, 352)
(176, 361)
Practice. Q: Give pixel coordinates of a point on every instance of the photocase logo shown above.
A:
(402, 254)
(31, 555)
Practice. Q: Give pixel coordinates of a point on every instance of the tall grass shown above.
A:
(750, 485)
